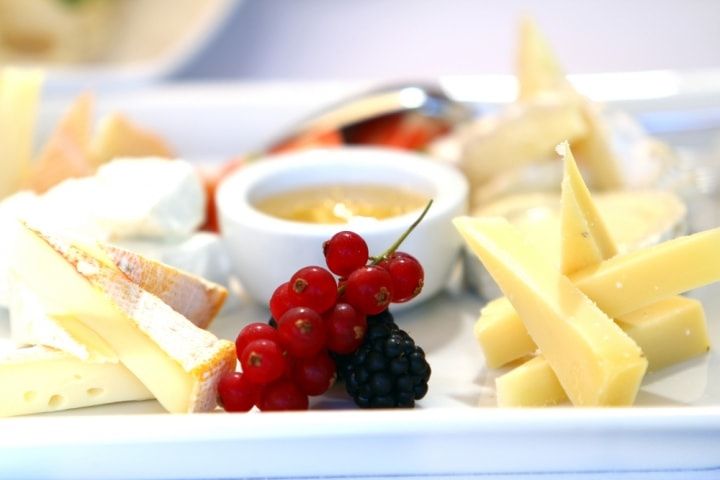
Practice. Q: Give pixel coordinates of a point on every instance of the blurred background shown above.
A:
(96, 43)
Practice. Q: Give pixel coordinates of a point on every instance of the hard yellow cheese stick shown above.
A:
(668, 332)
(618, 286)
(596, 363)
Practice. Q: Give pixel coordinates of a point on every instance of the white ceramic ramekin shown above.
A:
(266, 250)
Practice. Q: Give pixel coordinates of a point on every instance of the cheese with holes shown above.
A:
(619, 286)
(668, 332)
(595, 361)
(179, 363)
(40, 379)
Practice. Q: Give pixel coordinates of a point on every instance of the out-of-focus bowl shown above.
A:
(267, 250)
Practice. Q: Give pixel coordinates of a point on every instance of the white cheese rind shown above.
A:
(178, 362)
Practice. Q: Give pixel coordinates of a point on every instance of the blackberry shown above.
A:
(388, 370)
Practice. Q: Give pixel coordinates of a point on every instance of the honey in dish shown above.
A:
(337, 204)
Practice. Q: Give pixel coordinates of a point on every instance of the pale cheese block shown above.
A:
(179, 363)
(118, 137)
(40, 379)
(595, 361)
(523, 134)
(532, 384)
(19, 100)
(584, 238)
(149, 198)
(538, 70)
(668, 332)
(619, 286)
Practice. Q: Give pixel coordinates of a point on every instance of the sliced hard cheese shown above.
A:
(584, 238)
(19, 98)
(493, 327)
(619, 286)
(524, 134)
(532, 384)
(118, 137)
(668, 332)
(40, 379)
(538, 70)
(178, 362)
(594, 360)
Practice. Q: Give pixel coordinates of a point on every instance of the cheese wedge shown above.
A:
(668, 332)
(523, 134)
(19, 99)
(538, 70)
(595, 361)
(179, 363)
(40, 379)
(532, 384)
(619, 286)
(584, 238)
(117, 137)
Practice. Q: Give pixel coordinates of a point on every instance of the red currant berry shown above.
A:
(283, 395)
(315, 375)
(369, 289)
(280, 301)
(345, 252)
(255, 331)
(313, 287)
(302, 332)
(407, 276)
(236, 393)
(345, 327)
(262, 361)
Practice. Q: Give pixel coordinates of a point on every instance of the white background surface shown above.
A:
(281, 39)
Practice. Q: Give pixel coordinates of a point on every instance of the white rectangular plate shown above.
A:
(673, 432)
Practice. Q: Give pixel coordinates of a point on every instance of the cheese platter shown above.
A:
(114, 339)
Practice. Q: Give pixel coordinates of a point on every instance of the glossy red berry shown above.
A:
(236, 393)
(407, 276)
(315, 375)
(255, 331)
(345, 327)
(313, 287)
(283, 395)
(262, 361)
(302, 332)
(345, 252)
(280, 301)
(369, 289)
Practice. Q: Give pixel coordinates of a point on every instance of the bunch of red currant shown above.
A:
(316, 315)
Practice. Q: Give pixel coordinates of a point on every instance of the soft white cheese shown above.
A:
(11, 209)
(149, 198)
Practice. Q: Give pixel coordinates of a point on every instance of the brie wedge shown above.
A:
(179, 363)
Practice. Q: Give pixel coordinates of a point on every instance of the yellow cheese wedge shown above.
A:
(619, 286)
(538, 70)
(118, 137)
(493, 327)
(595, 150)
(179, 363)
(595, 361)
(584, 238)
(523, 134)
(19, 98)
(40, 379)
(532, 384)
(668, 332)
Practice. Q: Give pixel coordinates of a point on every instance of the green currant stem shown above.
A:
(402, 237)
(398, 242)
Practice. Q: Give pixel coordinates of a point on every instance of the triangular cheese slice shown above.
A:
(596, 151)
(178, 362)
(118, 137)
(584, 238)
(19, 98)
(66, 153)
(538, 70)
(595, 361)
